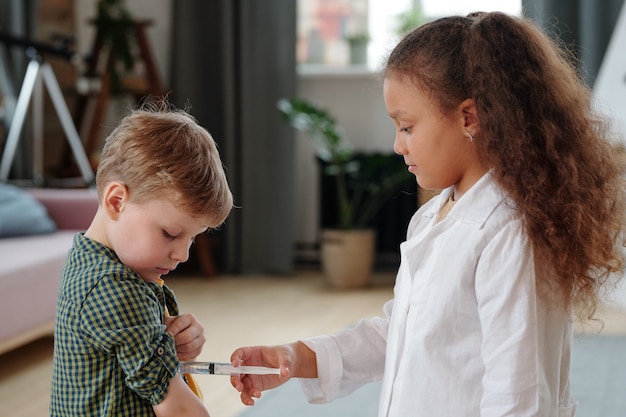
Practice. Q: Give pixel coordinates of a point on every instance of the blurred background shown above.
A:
(229, 61)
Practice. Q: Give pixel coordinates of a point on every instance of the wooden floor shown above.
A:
(235, 311)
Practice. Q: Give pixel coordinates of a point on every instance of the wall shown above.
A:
(354, 97)
(609, 95)
(618, 297)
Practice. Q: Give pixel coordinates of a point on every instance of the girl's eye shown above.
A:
(167, 235)
(406, 130)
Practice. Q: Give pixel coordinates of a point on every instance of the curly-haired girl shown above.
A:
(527, 230)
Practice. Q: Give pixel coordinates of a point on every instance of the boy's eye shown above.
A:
(405, 129)
(167, 235)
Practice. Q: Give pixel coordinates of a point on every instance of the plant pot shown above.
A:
(358, 53)
(348, 257)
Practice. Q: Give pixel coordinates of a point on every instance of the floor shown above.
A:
(235, 311)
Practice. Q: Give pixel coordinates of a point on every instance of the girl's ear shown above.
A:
(470, 118)
(114, 197)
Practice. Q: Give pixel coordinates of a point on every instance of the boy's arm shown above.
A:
(180, 401)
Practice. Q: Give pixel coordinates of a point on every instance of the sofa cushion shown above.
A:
(21, 214)
(69, 208)
(29, 277)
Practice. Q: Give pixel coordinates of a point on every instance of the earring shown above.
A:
(469, 135)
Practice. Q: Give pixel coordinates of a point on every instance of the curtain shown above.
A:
(585, 25)
(232, 60)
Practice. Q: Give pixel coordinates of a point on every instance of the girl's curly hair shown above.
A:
(547, 147)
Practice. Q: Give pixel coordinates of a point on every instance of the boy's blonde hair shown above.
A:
(158, 151)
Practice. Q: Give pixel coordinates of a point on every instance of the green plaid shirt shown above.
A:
(112, 355)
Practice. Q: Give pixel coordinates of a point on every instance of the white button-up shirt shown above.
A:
(466, 334)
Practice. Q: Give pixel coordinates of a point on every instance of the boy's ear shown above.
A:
(470, 118)
(114, 197)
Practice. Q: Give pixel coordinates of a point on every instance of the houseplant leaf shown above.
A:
(364, 182)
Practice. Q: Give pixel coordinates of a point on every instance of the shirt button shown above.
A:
(160, 350)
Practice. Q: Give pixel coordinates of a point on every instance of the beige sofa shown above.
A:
(31, 266)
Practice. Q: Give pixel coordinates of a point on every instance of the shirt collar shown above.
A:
(476, 205)
(86, 244)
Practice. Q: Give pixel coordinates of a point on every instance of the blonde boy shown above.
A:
(118, 335)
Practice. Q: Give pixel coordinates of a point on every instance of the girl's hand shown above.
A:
(251, 386)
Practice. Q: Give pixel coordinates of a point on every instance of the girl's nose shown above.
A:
(399, 145)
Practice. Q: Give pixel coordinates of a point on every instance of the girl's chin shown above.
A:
(425, 185)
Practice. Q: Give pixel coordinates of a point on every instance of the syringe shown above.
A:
(218, 368)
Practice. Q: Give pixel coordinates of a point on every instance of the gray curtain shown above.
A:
(586, 25)
(232, 60)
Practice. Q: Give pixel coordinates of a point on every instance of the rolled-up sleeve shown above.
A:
(123, 318)
(347, 360)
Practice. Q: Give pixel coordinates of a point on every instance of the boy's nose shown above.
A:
(181, 253)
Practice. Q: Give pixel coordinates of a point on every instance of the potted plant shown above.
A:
(358, 47)
(364, 183)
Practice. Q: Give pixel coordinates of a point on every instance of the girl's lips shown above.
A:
(163, 271)
(412, 168)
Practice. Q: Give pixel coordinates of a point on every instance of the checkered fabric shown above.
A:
(112, 355)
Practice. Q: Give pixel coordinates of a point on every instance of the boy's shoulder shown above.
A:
(87, 264)
(89, 255)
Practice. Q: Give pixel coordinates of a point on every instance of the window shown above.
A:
(341, 33)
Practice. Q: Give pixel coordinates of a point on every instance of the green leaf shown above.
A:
(365, 182)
